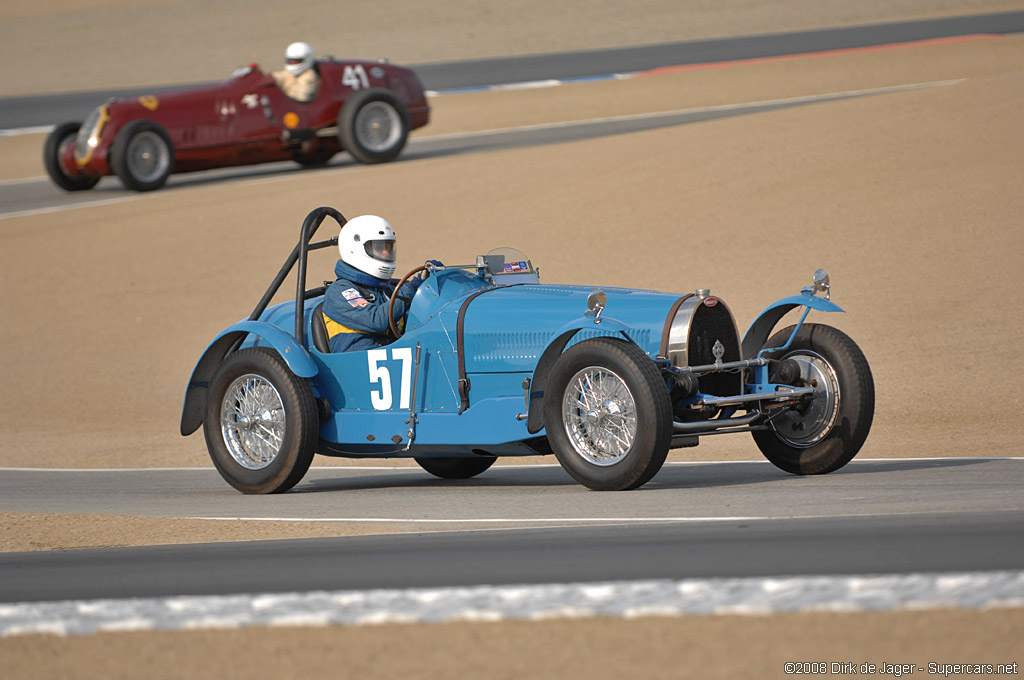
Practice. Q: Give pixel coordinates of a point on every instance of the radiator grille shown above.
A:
(710, 324)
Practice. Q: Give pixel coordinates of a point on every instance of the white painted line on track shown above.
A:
(624, 599)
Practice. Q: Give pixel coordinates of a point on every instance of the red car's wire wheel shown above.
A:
(373, 126)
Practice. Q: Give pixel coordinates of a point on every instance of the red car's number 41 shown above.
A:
(355, 77)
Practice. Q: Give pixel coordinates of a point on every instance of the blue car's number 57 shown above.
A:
(380, 377)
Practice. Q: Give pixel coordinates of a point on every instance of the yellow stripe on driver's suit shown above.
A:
(335, 328)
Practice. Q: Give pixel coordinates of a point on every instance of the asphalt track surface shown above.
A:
(531, 524)
(890, 545)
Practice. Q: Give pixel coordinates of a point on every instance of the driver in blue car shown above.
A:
(356, 305)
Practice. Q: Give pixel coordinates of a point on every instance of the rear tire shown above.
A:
(607, 414)
(261, 422)
(373, 126)
(455, 468)
(827, 433)
(142, 156)
(53, 150)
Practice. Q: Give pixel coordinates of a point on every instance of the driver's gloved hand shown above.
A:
(417, 281)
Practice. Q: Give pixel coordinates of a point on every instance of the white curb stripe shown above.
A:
(627, 599)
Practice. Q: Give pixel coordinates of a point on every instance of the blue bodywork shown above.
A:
(468, 375)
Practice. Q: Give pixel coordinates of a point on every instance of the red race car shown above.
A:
(365, 108)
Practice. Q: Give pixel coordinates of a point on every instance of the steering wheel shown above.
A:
(394, 296)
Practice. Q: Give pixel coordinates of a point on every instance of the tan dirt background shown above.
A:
(64, 45)
(912, 201)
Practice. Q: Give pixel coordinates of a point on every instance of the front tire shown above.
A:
(53, 151)
(373, 126)
(607, 414)
(261, 423)
(827, 433)
(143, 156)
(455, 468)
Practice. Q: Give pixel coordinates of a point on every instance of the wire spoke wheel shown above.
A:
(373, 126)
(261, 422)
(252, 421)
(378, 126)
(142, 156)
(599, 413)
(148, 157)
(607, 414)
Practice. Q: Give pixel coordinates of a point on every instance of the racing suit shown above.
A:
(301, 88)
(356, 309)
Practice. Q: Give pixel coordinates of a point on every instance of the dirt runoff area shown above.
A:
(705, 647)
(910, 198)
(70, 45)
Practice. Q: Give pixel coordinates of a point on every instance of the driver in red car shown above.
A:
(299, 80)
(356, 305)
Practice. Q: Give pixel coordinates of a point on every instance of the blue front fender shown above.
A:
(298, 360)
(762, 327)
(535, 414)
(605, 323)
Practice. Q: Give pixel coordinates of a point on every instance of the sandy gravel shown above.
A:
(912, 200)
(907, 215)
(909, 199)
(709, 648)
(21, 531)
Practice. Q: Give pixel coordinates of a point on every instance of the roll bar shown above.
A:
(300, 253)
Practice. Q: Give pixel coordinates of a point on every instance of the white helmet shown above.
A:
(298, 57)
(367, 243)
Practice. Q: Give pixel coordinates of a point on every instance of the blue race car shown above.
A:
(491, 363)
